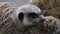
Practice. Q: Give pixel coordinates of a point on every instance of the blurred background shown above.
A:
(18, 2)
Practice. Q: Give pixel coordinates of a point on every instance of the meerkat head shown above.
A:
(29, 15)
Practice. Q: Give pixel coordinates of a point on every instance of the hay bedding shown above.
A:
(9, 27)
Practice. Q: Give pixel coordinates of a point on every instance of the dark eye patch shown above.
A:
(33, 15)
(21, 16)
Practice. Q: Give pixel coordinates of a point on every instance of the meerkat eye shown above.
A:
(33, 15)
(21, 16)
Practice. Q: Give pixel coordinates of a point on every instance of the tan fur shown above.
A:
(6, 10)
(4, 5)
(49, 26)
(52, 23)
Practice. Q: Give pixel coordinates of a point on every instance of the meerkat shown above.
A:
(6, 10)
(30, 12)
(24, 16)
(28, 19)
(52, 24)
